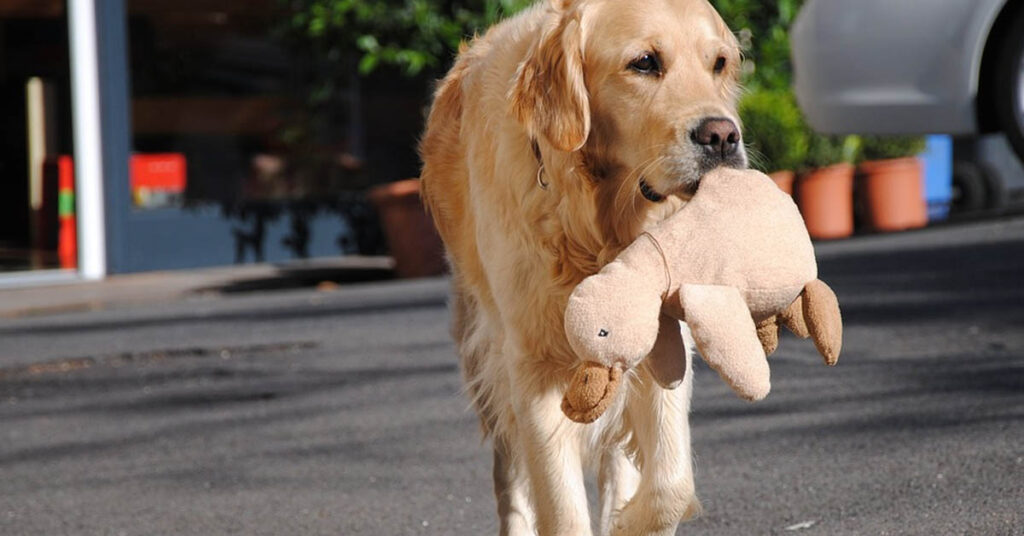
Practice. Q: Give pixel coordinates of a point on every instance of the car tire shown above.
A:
(970, 188)
(1009, 84)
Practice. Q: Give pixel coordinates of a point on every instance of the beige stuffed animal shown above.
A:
(735, 264)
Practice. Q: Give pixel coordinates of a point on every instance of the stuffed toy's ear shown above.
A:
(667, 361)
(815, 314)
(549, 96)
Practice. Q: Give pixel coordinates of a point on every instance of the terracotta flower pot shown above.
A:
(412, 238)
(891, 194)
(825, 198)
(784, 180)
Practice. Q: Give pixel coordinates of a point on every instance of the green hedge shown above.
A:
(412, 35)
(763, 29)
(773, 126)
(885, 147)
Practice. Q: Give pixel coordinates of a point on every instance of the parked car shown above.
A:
(943, 66)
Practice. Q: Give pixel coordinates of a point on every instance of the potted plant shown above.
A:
(890, 183)
(412, 239)
(777, 140)
(338, 42)
(824, 192)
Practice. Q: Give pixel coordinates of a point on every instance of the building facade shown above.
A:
(164, 134)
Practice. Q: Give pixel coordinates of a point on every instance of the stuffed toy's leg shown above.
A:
(667, 360)
(815, 314)
(768, 334)
(727, 338)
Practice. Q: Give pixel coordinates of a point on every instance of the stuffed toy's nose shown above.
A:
(591, 391)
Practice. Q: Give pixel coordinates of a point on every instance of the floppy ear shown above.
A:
(549, 96)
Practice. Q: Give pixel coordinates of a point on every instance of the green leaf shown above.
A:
(368, 63)
(367, 43)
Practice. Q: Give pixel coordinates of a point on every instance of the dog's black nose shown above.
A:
(718, 136)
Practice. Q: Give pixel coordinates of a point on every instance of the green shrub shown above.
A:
(780, 137)
(763, 29)
(412, 35)
(774, 130)
(824, 151)
(886, 147)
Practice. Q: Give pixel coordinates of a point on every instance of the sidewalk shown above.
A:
(168, 286)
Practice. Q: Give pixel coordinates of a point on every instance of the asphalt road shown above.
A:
(311, 412)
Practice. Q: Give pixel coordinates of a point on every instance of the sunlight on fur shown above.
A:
(536, 147)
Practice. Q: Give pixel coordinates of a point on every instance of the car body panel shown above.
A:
(878, 66)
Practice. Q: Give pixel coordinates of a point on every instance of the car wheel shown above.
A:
(970, 192)
(1009, 87)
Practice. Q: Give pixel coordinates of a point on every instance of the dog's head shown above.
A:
(643, 91)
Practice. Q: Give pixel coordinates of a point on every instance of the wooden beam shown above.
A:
(31, 8)
(207, 115)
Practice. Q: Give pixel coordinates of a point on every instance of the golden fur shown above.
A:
(521, 234)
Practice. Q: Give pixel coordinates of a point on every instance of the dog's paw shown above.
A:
(651, 513)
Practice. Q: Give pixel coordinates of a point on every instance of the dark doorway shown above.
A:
(35, 129)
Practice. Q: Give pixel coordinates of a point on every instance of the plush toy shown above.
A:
(735, 264)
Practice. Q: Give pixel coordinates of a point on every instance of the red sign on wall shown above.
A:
(158, 179)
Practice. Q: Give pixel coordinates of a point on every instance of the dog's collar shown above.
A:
(540, 165)
(649, 193)
(645, 189)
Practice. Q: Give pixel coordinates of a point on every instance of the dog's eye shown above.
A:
(720, 64)
(648, 63)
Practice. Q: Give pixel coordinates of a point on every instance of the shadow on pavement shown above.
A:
(331, 309)
(966, 284)
(113, 393)
(296, 278)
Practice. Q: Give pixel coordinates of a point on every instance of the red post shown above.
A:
(67, 238)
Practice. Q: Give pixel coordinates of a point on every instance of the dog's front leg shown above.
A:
(515, 516)
(666, 494)
(550, 446)
(617, 480)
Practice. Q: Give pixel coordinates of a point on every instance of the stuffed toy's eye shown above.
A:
(603, 333)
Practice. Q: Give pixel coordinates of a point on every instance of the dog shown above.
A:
(555, 139)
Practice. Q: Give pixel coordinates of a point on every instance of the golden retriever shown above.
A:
(553, 142)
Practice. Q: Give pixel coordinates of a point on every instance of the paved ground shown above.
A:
(337, 411)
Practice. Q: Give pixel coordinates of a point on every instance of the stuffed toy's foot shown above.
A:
(591, 391)
(815, 314)
(821, 313)
(768, 334)
(727, 337)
